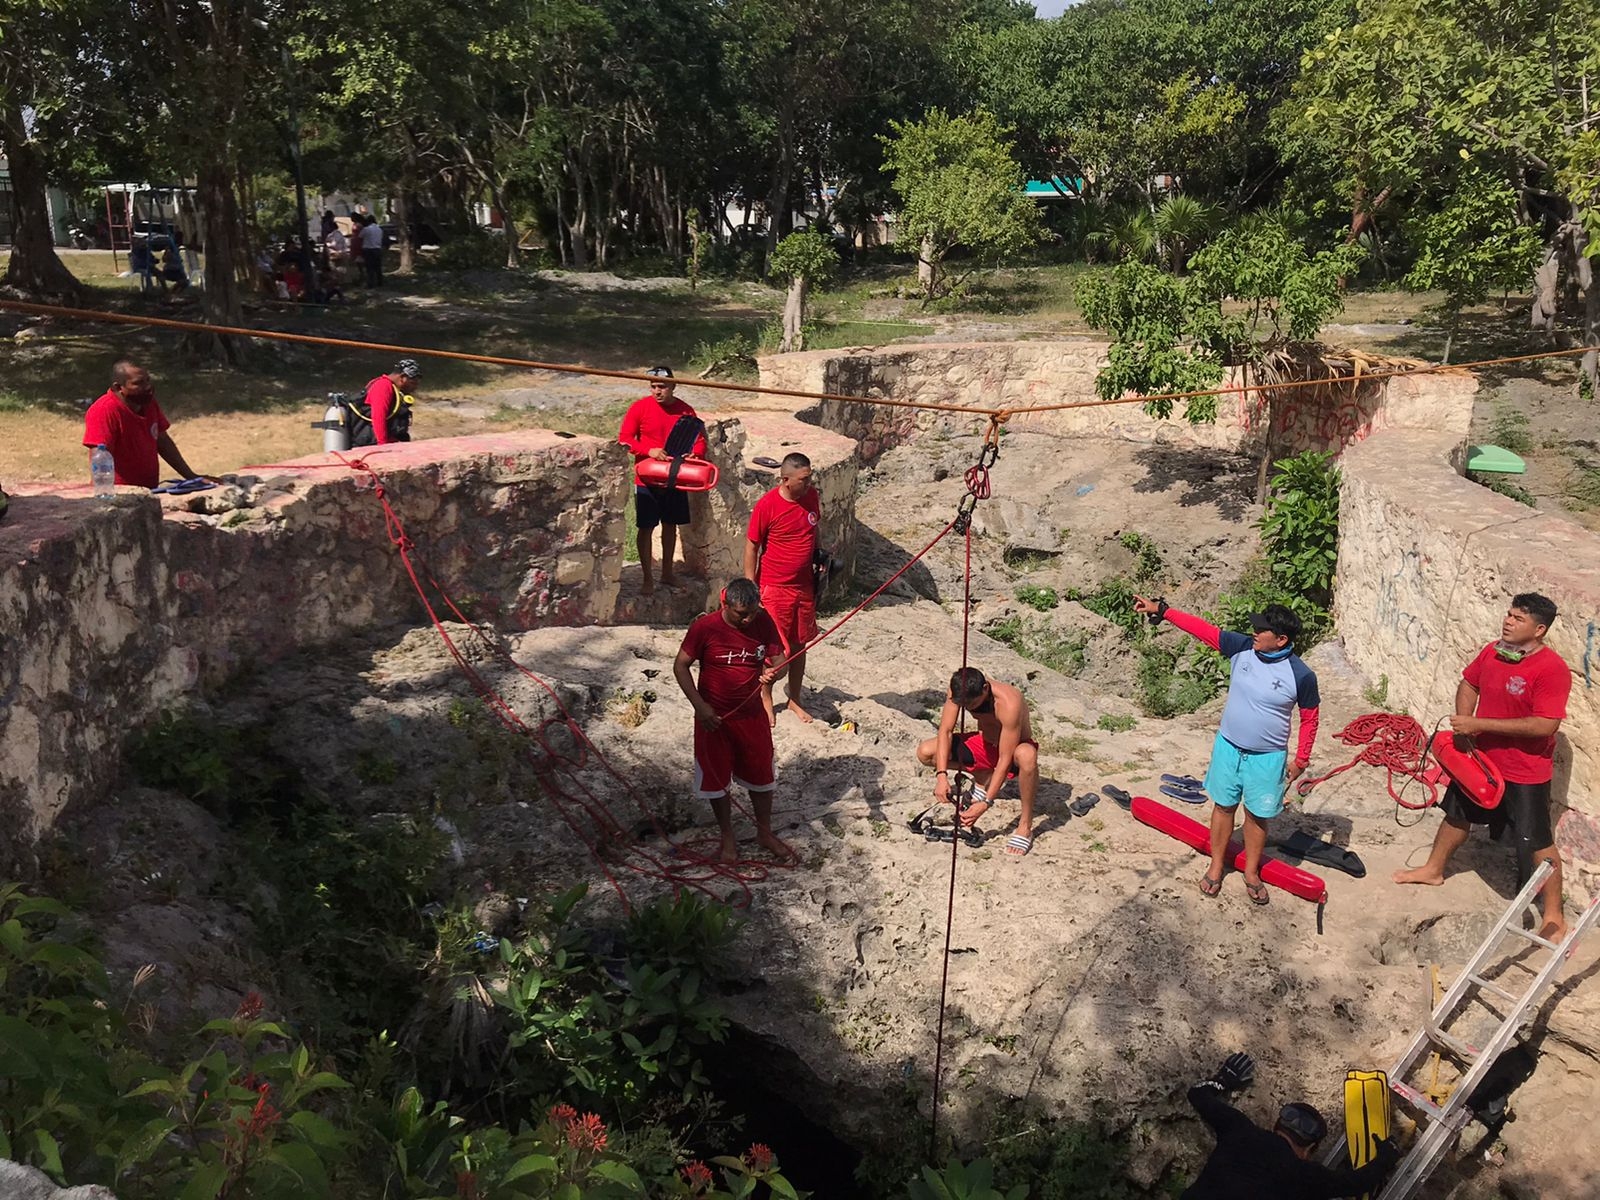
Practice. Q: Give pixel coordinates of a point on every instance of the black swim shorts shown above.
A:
(1524, 809)
(653, 506)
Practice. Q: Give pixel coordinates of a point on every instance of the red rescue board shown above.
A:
(1186, 829)
(684, 474)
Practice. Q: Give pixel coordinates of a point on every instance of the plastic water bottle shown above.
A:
(103, 472)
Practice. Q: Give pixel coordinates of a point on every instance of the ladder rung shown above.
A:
(1533, 937)
(1496, 989)
(1454, 1043)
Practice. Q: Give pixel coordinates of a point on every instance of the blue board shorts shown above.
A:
(1257, 777)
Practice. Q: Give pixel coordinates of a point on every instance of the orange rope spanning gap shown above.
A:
(89, 314)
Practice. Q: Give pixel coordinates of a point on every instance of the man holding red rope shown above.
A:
(735, 647)
(1511, 700)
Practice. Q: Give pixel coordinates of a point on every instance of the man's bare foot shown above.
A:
(730, 850)
(648, 587)
(775, 845)
(1553, 931)
(973, 813)
(671, 582)
(1423, 874)
(794, 707)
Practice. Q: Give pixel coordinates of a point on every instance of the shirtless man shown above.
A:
(1511, 700)
(735, 647)
(1002, 748)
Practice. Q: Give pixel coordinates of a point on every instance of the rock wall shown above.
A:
(1429, 560)
(1017, 374)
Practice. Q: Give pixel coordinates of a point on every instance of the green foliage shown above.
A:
(960, 186)
(961, 1181)
(806, 254)
(1475, 244)
(1300, 528)
(1113, 600)
(1062, 1160)
(1505, 486)
(1509, 428)
(1116, 723)
(1377, 695)
(687, 933)
(1065, 653)
(1042, 599)
(472, 250)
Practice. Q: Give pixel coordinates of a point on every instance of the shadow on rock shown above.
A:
(1212, 477)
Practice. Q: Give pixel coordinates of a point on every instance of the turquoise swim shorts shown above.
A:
(1255, 776)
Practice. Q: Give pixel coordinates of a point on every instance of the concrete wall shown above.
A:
(1017, 374)
(111, 611)
(1429, 560)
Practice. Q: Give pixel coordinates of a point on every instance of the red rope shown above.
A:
(1392, 741)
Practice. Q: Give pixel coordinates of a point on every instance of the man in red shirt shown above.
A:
(782, 542)
(646, 426)
(128, 422)
(732, 735)
(1510, 702)
(384, 415)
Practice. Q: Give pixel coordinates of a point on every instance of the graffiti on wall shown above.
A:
(1401, 601)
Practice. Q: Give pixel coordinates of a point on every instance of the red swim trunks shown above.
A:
(794, 611)
(978, 755)
(739, 751)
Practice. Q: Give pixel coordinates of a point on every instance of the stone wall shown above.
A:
(1017, 374)
(1428, 561)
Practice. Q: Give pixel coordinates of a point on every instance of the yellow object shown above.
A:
(1366, 1113)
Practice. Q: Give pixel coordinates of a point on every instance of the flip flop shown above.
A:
(1258, 893)
(763, 461)
(1209, 887)
(1081, 806)
(1118, 796)
(1187, 795)
(1185, 781)
(180, 487)
(1018, 846)
(1313, 849)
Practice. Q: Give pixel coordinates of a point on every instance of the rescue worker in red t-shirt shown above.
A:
(128, 422)
(645, 428)
(780, 547)
(1511, 700)
(732, 736)
(384, 414)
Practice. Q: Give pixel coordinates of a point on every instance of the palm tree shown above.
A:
(1182, 223)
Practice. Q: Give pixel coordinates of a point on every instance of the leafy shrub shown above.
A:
(1041, 598)
(1113, 601)
(473, 250)
(1300, 527)
(961, 1181)
(1502, 485)
(1509, 428)
(1064, 1160)
(1116, 723)
(1060, 652)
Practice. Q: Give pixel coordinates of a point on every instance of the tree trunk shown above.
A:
(405, 205)
(1583, 273)
(219, 214)
(35, 267)
(794, 316)
(927, 269)
(513, 250)
(777, 199)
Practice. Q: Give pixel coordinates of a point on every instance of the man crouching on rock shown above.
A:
(732, 736)
(1001, 749)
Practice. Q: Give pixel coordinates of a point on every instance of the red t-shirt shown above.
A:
(1537, 686)
(731, 660)
(647, 423)
(130, 436)
(786, 531)
(380, 401)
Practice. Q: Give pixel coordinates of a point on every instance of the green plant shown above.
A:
(1066, 653)
(1041, 598)
(1300, 527)
(688, 932)
(1583, 487)
(1115, 723)
(959, 1181)
(1148, 563)
(1509, 428)
(1502, 485)
(1377, 695)
(1062, 1160)
(1113, 601)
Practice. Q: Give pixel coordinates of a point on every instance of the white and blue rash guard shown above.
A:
(1263, 690)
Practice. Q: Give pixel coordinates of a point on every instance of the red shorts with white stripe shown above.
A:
(738, 751)
(978, 755)
(794, 611)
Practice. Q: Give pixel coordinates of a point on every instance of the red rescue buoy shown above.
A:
(1186, 829)
(683, 474)
(1468, 770)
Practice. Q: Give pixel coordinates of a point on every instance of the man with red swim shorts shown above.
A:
(1511, 700)
(783, 541)
(732, 736)
(1002, 748)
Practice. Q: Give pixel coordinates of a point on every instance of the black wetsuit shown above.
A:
(1252, 1163)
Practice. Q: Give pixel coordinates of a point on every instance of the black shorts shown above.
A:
(1524, 809)
(660, 506)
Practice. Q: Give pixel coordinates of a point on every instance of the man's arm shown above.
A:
(1318, 1182)
(752, 559)
(380, 415)
(941, 751)
(703, 712)
(1207, 1097)
(1507, 726)
(168, 449)
(1195, 627)
(631, 432)
(1010, 736)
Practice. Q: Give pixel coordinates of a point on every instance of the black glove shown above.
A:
(1385, 1153)
(1161, 611)
(1236, 1072)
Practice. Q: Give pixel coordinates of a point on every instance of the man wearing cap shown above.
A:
(1252, 1163)
(1250, 757)
(647, 428)
(384, 414)
(128, 422)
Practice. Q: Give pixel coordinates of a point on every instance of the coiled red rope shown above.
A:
(1393, 741)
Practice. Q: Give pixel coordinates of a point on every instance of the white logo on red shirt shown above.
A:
(730, 657)
(1516, 685)
(811, 517)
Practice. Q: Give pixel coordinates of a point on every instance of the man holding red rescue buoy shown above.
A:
(647, 428)
(1250, 757)
(735, 647)
(782, 539)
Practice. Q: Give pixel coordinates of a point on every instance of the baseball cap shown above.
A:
(660, 372)
(1303, 1123)
(407, 367)
(1279, 619)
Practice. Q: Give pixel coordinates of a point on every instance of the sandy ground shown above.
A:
(1088, 979)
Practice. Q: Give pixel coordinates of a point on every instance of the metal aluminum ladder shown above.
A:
(1439, 1125)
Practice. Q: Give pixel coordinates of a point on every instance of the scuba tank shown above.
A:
(335, 430)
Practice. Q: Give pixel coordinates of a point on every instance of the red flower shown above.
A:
(563, 1114)
(760, 1157)
(698, 1176)
(587, 1133)
(249, 1008)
